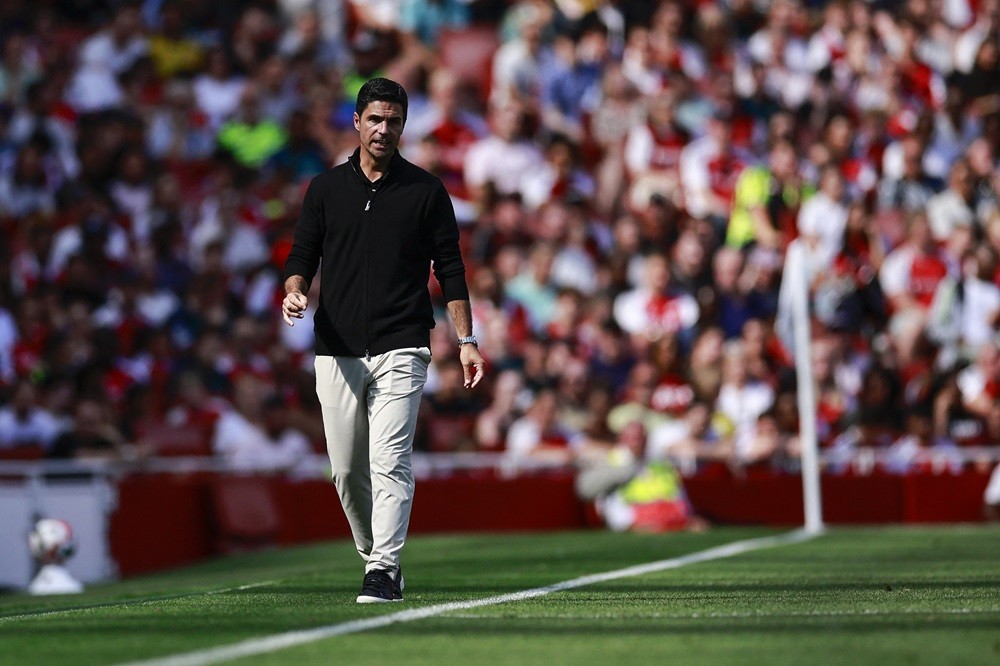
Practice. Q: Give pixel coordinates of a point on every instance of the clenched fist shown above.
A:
(293, 306)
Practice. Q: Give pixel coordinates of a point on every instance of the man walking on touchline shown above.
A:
(377, 222)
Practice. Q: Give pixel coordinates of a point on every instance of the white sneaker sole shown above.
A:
(365, 599)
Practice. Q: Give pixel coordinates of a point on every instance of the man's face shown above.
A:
(380, 126)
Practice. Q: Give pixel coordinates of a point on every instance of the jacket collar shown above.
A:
(394, 164)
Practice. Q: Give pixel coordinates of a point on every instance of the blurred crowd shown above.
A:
(628, 177)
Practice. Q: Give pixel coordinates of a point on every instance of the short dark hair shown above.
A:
(381, 90)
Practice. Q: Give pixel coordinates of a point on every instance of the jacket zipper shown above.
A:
(366, 236)
(368, 260)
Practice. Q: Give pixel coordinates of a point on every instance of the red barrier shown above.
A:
(162, 521)
(530, 503)
(167, 520)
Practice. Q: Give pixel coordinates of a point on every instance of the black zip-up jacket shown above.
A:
(377, 242)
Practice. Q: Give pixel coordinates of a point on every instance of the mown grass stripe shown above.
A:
(275, 642)
(140, 601)
(764, 615)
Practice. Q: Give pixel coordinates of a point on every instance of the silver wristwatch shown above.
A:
(468, 340)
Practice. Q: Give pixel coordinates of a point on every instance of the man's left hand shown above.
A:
(473, 365)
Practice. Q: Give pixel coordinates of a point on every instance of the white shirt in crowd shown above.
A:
(501, 162)
(525, 435)
(980, 305)
(665, 437)
(639, 311)
(971, 383)
(894, 276)
(218, 99)
(743, 406)
(247, 447)
(822, 222)
(38, 427)
(947, 210)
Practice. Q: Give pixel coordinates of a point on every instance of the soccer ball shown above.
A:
(51, 542)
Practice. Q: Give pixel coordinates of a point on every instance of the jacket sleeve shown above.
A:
(307, 248)
(445, 254)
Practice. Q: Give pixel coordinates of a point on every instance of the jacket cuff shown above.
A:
(455, 289)
(295, 267)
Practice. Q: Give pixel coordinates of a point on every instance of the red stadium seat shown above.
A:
(468, 52)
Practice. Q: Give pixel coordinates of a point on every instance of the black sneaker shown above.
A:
(398, 585)
(378, 588)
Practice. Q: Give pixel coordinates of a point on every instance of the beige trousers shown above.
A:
(370, 416)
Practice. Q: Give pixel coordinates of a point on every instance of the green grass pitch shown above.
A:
(852, 596)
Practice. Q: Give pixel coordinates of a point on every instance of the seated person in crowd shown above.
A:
(255, 436)
(23, 423)
(694, 438)
(92, 437)
(632, 493)
(540, 436)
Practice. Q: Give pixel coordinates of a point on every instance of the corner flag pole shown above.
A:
(795, 271)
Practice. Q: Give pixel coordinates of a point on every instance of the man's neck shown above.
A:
(373, 170)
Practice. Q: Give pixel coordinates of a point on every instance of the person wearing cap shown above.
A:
(377, 222)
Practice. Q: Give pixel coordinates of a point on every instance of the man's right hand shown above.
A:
(293, 306)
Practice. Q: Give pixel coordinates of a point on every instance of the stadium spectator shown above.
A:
(691, 440)
(572, 91)
(254, 435)
(709, 168)
(539, 436)
(822, 221)
(636, 405)
(426, 19)
(105, 56)
(174, 53)
(217, 91)
(521, 63)
(25, 189)
(558, 177)
(653, 308)
(494, 422)
(495, 164)
(848, 294)
(20, 66)
(450, 412)
(249, 135)
(178, 130)
(979, 384)
(953, 206)
(25, 423)
(733, 304)
(914, 188)
(447, 128)
(766, 201)
(92, 435)
(910, 276)
(631, 493)
(533, 288)
(301, 157)
(743, 400)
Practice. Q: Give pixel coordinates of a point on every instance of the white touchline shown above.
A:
(255, 646)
